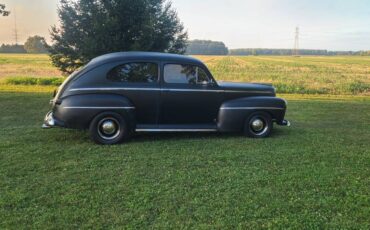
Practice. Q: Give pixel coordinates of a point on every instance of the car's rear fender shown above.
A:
(233, 113)
(77, 111)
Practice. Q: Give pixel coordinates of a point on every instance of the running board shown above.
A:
(177, 128)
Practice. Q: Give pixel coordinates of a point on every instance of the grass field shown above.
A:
(26, 65)
(308, 75)
(312, 74)
(313, 175)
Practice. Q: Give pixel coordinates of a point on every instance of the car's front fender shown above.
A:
(233, 113)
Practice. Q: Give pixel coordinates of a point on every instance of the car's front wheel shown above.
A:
(108, 129)
(258, 125)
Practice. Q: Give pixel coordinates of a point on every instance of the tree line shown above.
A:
(288, 52)
(34, 44)
(37, 44)
(207, 47)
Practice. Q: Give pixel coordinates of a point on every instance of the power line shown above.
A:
(15, 29)
(296, 42)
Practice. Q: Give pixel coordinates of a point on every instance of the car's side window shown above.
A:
(185, 74)
(134, 72)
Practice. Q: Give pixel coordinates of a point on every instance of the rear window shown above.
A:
(134, 72)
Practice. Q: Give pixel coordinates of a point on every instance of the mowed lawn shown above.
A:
(313, 175)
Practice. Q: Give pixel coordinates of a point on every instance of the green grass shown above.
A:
(313, 175)
(34, 81)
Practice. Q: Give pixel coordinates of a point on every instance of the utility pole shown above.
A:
(296, 43)
(15, 29)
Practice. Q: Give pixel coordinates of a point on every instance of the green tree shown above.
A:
(206, 47)
(92, 28)
(36, 44)
(3, 12)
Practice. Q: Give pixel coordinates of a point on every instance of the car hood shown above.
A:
(247, 87)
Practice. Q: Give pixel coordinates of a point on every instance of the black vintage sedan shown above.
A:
(118, 94)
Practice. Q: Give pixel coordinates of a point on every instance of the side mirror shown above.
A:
(212, 83)
(205, 83)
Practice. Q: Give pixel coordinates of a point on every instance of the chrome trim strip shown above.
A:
(192, 90)
(165, 89)
(176, 130)
(107, 89)
(240, 91)
(92, 107)
(249, 108)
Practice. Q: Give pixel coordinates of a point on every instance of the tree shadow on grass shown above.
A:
(277, 133)
(178, 136)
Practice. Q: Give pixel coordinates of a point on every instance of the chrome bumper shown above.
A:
(49, 121)
(284, 123)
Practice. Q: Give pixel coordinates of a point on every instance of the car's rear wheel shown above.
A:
(108, 129)
(258, 125)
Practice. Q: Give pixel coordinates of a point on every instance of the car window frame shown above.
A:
(204, 68)
(136, 83)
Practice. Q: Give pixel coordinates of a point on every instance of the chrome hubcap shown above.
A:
(108, 128)
(257, 125)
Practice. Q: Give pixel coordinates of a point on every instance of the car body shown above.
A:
(120, 93)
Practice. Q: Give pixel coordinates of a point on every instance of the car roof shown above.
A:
(153, 56)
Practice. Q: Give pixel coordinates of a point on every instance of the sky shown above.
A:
(323, 24)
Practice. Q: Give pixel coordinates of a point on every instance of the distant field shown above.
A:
(26, 65)
(308, 75)
(312, 74)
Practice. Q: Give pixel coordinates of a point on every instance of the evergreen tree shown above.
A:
(92, 28)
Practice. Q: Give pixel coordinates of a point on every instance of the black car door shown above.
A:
(139, 82)
(189, 95)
